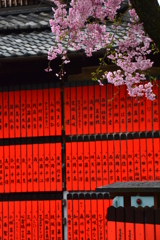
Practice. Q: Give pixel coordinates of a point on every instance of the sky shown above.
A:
(158, 2)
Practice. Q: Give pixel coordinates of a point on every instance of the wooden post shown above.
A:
(127, 201)
(156, 200)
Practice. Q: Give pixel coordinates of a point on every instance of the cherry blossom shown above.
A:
(84, 26)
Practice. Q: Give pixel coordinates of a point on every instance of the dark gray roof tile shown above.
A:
(23, 51)
(7, 55)
(21, 48)
(4, 24)
(10, 49)
(33, 19)
(13, 54)
(18, 41)
(42, 47)
(45, 52)
(32, 24)
(29, 49)
(35, 37)
(37, 16)
(26, 54)
(39, 53)
(36, 41)
(26, 45)
(16, 50)
(40, 35)
(3, 51)
(34, 46)
(36, 50)
(43, 23)
(3, 47)
(47, 45)
(19, 54)
(8, 45)
(39, 44)
(32, 53)
(25, 21)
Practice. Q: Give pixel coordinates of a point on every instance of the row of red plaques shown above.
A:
(95, 163)
(31, 220)
(95, 109)
(31, 110)
(31, 167)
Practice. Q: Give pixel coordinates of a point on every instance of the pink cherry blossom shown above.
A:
(76, 29)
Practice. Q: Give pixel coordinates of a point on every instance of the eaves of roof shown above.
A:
(24, 19)
(25, 32)
(36, 42)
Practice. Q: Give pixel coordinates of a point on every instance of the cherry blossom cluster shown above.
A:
(83, 26)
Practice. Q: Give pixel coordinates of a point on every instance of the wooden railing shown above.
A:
(16, 3)
(133, 224)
